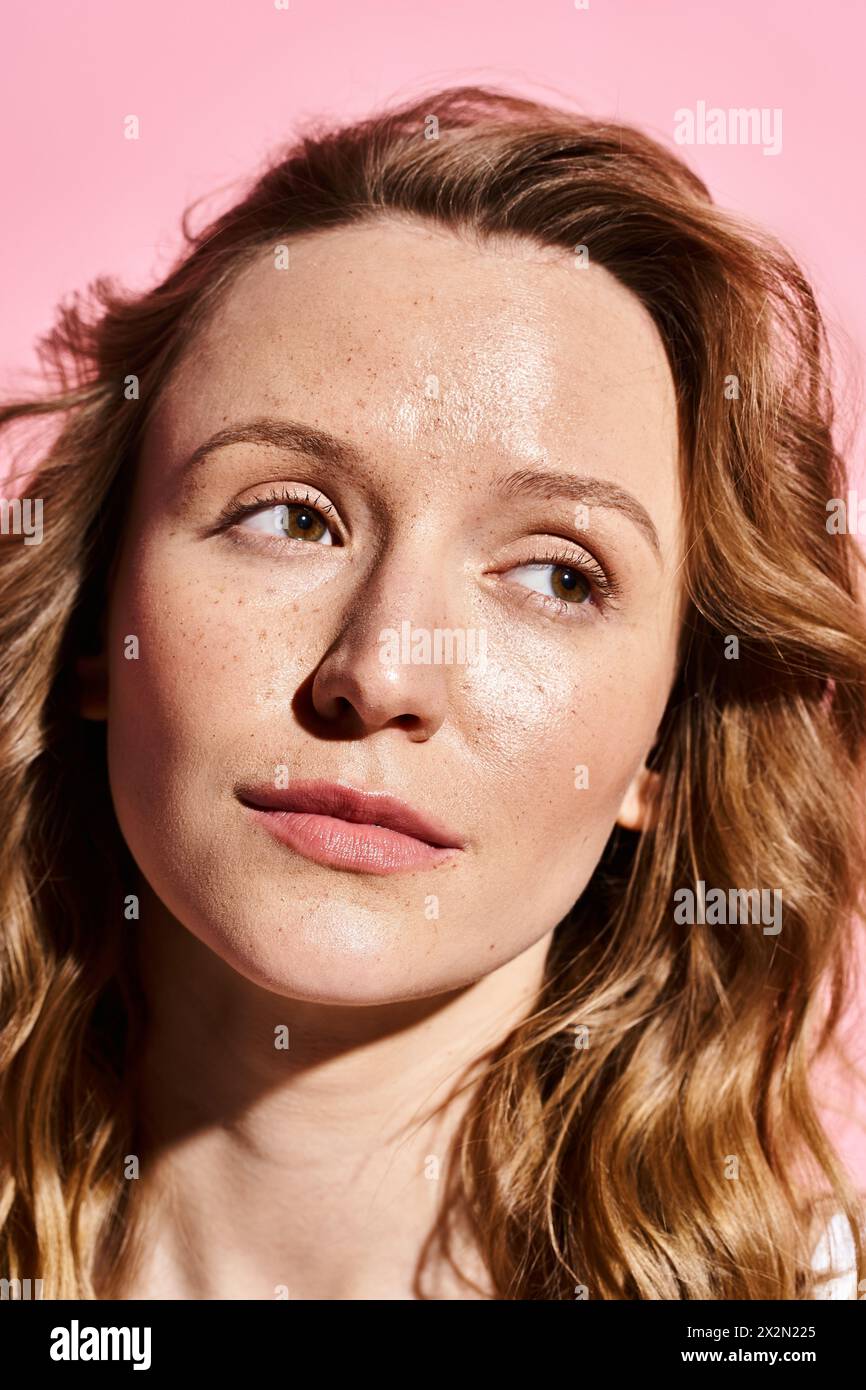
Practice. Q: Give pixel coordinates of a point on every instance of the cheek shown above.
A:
(561, 734)
(173, 710)
(208, 689)
(210, 662)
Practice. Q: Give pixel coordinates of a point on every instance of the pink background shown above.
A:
(217, 84)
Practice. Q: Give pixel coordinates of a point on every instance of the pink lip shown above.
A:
(363, 832)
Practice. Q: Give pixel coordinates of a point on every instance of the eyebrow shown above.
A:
(544, 484)
(282, 434)
(582, 487)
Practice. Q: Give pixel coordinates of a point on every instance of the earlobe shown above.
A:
(92, 674)
(639, 809)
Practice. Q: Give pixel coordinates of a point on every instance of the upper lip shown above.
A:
(348, 803)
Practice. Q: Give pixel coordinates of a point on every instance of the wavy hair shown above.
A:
(648, 1130)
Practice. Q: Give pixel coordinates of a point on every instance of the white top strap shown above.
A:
(835, 1249)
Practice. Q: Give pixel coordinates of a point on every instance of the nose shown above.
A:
(377, 673)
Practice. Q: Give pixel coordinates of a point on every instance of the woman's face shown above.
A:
(454, 580)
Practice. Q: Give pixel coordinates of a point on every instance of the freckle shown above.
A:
(263, 634)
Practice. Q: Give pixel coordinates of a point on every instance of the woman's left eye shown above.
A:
(565, 583)
(295, 521)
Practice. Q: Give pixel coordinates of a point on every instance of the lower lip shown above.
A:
(343, 844)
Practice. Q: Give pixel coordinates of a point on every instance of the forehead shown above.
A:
(402, 336)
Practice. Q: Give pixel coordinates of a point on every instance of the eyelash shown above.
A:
(231, 514)
(604, 587)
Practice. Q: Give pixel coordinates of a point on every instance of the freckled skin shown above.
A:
(258, 653)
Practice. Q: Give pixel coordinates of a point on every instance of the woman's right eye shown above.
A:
(294, 521)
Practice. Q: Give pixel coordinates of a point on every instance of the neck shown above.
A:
(297, 1149)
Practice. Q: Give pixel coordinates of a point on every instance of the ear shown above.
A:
(639, 809)
(92, 672)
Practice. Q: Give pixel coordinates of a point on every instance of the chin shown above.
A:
(322, 953)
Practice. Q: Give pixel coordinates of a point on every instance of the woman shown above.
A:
(432, 731)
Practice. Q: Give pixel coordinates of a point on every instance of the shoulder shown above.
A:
(835, 1250)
